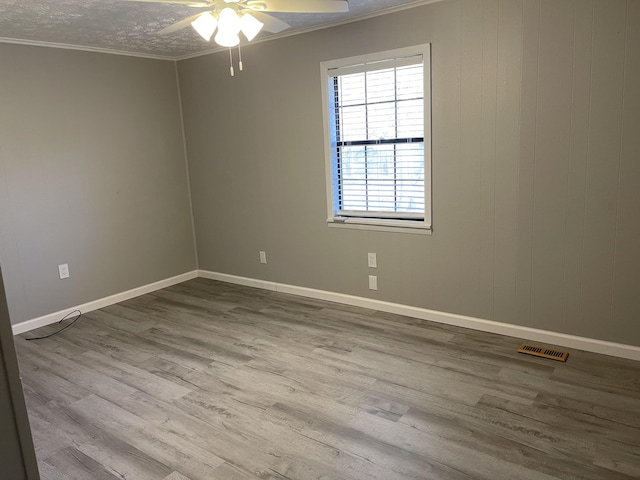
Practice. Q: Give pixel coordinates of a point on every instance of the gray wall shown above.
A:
(536, 147)
(92, 173)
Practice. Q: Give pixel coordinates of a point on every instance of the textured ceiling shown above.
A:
(131, 27)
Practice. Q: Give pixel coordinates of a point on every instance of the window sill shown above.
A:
(396, 226)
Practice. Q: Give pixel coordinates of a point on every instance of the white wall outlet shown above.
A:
(373, 260)
(63, 271)
(373, 282)
(263, 257)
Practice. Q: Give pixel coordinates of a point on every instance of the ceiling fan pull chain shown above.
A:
(239, 57)
(231, 62)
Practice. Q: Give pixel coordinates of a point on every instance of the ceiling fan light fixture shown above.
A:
(227, 39)
(257, 5)
(250, 26)
(228, 28)
(228, 21)
(205, 25)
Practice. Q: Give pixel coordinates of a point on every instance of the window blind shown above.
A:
(377, 130)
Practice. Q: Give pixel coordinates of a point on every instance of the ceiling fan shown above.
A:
(230, 17)
(247, 16)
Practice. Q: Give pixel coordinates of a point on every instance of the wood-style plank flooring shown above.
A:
(207, 380)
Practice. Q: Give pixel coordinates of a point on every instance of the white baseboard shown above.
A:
(554, 338)
(247, 282)
(102, 302)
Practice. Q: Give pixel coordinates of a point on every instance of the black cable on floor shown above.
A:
(63, 328)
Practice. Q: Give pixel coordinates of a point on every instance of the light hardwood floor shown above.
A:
(206, 380)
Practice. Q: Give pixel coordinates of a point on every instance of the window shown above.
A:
(377, 113)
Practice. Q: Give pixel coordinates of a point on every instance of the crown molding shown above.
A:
(66, 46)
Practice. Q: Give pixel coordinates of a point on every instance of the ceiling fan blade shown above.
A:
(188, 3)
(179, 25)
(271, 24)
(299, 6)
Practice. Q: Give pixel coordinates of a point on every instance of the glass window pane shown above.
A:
(381, 197)
(381, 121)
(410, 161)
(410, 196)
(351, 89)
(353, 124)
(354, 195)
(409, 83)
(353, 162)
(410, 118)
(380, 85)
(410, 179)
(381, 162)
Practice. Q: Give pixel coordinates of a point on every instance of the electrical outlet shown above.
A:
(63, 271)
(373, 282)
(263, 257)
(373, 260)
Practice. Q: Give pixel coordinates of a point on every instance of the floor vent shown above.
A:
(543, 352)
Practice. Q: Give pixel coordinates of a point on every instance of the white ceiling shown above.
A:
(131, 27)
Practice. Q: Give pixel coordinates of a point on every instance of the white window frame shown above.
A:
(364, 221)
